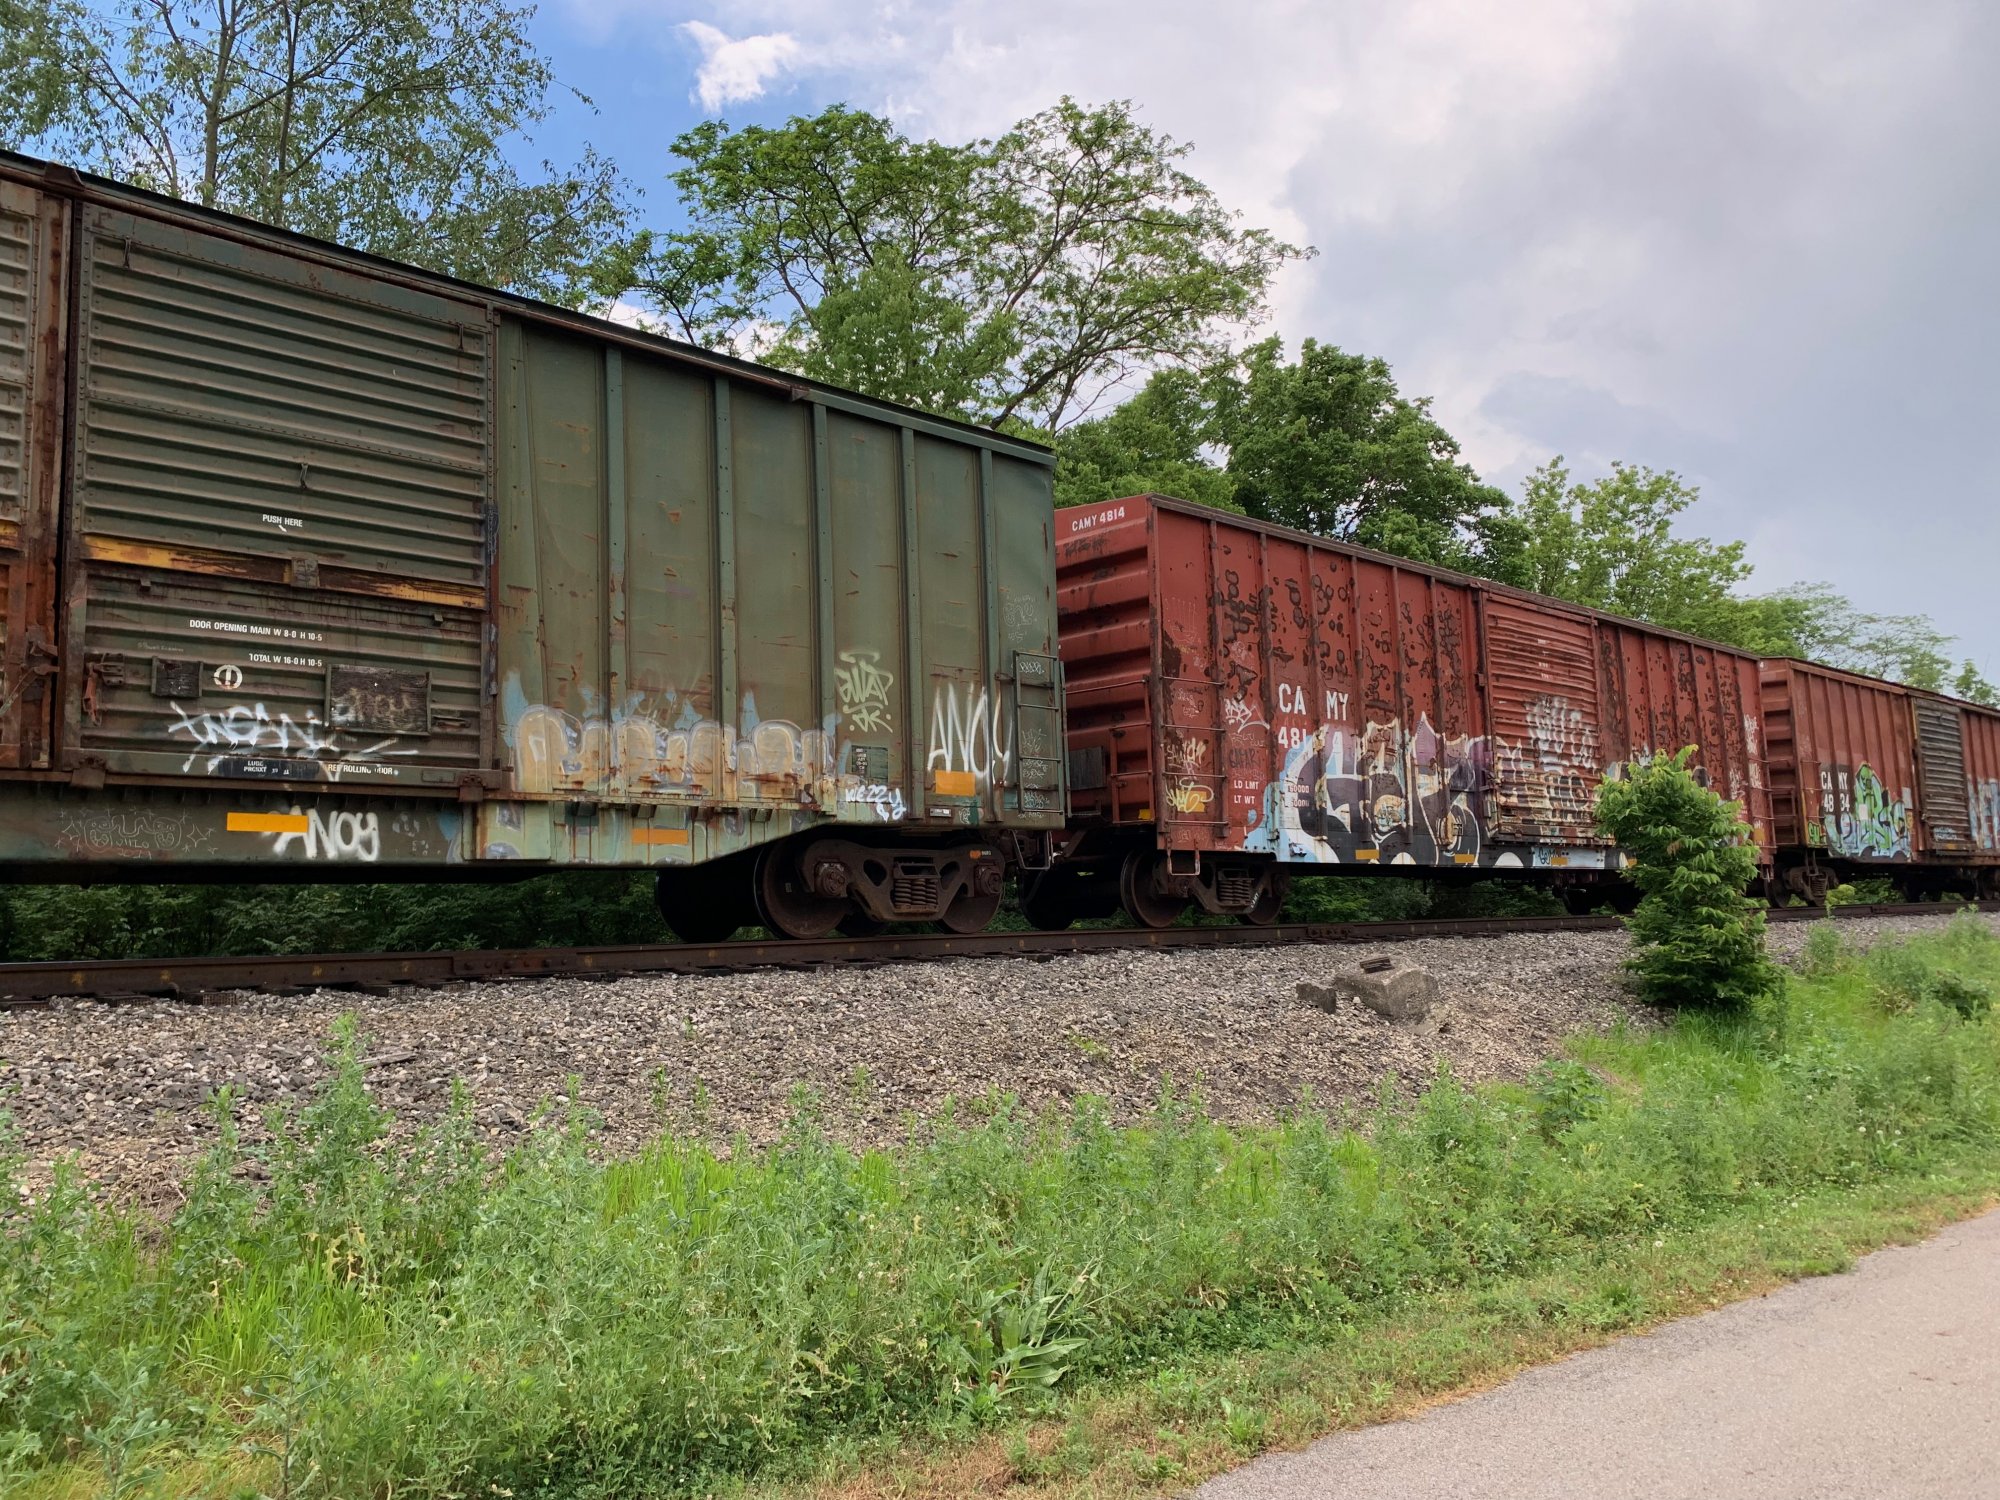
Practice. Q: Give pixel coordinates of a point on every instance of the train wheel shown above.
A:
(1045, 902)
(970, 913)
(1270, 901)
(786, 904)
(1142, 891)
(703, 904)
(858, 924)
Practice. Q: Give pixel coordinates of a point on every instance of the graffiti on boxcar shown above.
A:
(886, 801)
(1551, 776)
(969, 734)
(864, 688)
(251, 729)
(337, 836)
(134, 832)
(557, 751)
(1190, 798)
(1187, 754)
(1411, 798)
(1858, 815)
(1984, 797)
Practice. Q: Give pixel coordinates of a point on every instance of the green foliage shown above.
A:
(1814, 622)
(42, 923)
(1699, 940)
(336, 1311)
(1611, 544)
(389, 125)
(1005, 281)
(1329, 445)
(1905, 975)
(1152, 444)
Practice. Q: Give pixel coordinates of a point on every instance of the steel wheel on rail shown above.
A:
(705, 903)
(970, 913)
(1143, 893)
(1270, 901)
(786, 904)
(1046, 901)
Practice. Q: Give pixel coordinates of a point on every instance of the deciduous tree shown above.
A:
(1015, 280)
(383, 124)
(1329, 445)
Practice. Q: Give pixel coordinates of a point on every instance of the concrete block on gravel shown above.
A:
(1399, 992)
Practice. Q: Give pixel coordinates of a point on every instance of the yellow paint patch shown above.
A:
(660, 836)
(1367, 853)
(1465, 859)
(248, 822)
(956, 784)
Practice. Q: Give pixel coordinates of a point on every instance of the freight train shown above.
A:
(319, 567)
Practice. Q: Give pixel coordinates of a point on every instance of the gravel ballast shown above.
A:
(122, 1086)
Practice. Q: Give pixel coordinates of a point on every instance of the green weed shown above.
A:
(338, 1311)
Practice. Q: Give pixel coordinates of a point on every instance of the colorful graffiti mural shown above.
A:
(1859, 817)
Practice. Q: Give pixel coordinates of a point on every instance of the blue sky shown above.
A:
(1750, 240)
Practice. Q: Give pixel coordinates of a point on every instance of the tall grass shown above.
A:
(332, 1313)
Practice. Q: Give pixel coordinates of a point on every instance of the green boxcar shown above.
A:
(326, 566)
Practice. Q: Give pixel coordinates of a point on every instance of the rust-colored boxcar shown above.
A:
(1246, 700)
(1874, 778)
(316, 560)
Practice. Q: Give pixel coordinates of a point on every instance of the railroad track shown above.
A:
(201, 979)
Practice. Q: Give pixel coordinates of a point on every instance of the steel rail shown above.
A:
(29, 984)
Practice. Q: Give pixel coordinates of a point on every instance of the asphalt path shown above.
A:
(1881, 1382)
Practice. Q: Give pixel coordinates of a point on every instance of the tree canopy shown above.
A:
(1016, 280)
(382, 124)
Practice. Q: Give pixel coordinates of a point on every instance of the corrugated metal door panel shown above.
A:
(871, 656)
(1020, 533)
(237, 400)
(1941, 783)
(1543, 715)
(33, 322)
(1298, 693)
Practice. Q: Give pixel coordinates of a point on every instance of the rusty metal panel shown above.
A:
(33, 324)
(1942, 791)
(1840, 753)
(1542, 697)
(1107, 612)
(1982, 776)
(1662, 694)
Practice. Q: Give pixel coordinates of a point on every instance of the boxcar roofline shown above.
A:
(1868, 680)
(63, 181)
(1434, 570)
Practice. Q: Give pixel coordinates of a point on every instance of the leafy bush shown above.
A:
(1700, 940)
(1905, 974)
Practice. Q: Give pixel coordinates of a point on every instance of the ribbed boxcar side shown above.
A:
(1840, 753)
(1982, 778)
(727, 614)
(1300, 704)
(367, 569)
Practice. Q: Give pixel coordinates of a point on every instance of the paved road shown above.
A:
(1884, 1382)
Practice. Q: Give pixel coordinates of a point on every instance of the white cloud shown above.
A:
(734, 69)
(1741, 238)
